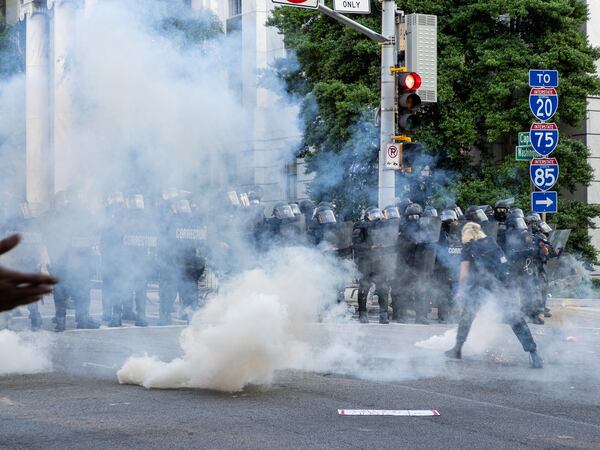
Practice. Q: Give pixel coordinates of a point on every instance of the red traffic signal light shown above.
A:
(408, 101)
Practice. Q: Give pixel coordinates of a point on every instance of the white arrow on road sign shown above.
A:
(300, 3)
(352, 6)
(545, 202)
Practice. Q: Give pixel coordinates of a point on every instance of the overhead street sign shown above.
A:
(543, 103)
(352, 6)
(525, 153)
(544, 172)
(544, 137)
(543, 78)
(314, 4)
(544, 202)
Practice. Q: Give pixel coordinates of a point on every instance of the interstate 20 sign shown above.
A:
(543, 103)
(300, 3)
(543, 137)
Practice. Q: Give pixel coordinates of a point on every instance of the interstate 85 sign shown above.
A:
(544, 172)
(300, 3)
(543, 137)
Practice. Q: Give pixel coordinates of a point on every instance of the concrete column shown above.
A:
(39, 161)
(65, 16)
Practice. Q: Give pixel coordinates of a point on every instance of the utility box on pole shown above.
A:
(421, 53)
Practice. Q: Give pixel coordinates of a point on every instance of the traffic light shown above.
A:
(408, 101)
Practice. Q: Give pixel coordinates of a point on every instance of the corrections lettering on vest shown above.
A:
(192, 234)
(139, 240)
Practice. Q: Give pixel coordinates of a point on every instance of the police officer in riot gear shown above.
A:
(139, 253)
(71, 238)
(448, 262)
(307, 207)
(501, 210)
(284, 227)
(182, 252)
(406, 291)
(374, 240)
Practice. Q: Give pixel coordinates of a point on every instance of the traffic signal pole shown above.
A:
(387, 180)
(387, 39)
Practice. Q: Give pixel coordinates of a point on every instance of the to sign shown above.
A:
(352, 6)
(301, 3)
(544, 137)
(393, 156)
(544, 202)
(543, 78)
(543, 103)
(544, 172)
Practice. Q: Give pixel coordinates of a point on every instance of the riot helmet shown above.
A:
(476, 214)
(516, 213)
(182, 206)
(502, 208)
(401, 204)
(516, 223)
(391, 212)
(116, 199)
(373, 214)
(324, 215)
(448, 216)
(487, 210)
(244, 200)
(413, 212)
(295, 209)
(545, 228)
(282, 211)
(253, 197)
(532, 218)
(135, 201)
(233, 198)
(430, 211)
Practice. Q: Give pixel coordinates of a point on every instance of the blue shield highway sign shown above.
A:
(543, 78)
(544, 172)
(543, 137)
(544, 202)
(543, 103)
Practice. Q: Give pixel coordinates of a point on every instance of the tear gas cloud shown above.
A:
(259, 323)
(24, 352)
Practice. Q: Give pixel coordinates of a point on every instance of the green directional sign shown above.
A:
(524, 139)
(525, 153)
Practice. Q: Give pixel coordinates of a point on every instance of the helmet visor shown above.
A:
(283, 212)
(374, 215)
(391, 213)
(326, 216)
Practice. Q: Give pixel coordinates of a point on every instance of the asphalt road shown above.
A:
(489, 400)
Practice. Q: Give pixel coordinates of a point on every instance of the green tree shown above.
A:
(485, 48)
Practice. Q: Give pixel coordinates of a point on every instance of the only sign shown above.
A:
(544, 172)
(543, 103)
(543, 137)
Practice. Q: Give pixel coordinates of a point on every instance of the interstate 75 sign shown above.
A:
(544, 172)
(543, 137)
(301, 3)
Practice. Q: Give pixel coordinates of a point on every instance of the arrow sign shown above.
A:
(543, 137)
(300, 3)
(543, 78)
(543, 103)
(544, 172)
(544, 202)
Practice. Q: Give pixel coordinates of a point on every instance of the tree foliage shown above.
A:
(485, 49)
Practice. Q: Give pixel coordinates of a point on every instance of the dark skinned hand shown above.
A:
(18, 288)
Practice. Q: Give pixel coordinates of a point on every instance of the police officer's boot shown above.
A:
(362, 306)
(140, 308)
(61, 324)
(117, 314)
(536, 360)
(363, 317)
(383, 317)
(36, 321)
(455, 352)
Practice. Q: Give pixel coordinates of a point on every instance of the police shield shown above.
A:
(429, 229)
(293, 230)
(384, 234)
(339, 236)
(490, 228)
(558, 238)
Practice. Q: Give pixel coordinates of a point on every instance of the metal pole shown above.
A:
(387, 188)
(352, 24)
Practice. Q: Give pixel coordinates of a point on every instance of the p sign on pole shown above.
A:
(314, 4)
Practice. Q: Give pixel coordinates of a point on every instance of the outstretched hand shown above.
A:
(18, 288)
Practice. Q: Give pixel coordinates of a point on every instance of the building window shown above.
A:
(235, 8)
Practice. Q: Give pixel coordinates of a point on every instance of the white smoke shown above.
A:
(258, 324)
(24, 353)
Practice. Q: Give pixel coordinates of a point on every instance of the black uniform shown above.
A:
(448, 263)
(181, 258)
(375, 253)
(487, 275)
